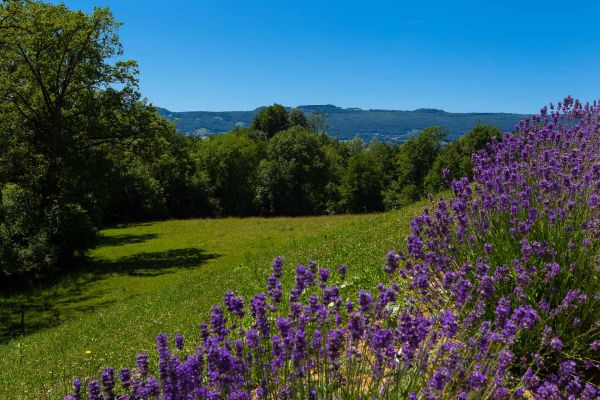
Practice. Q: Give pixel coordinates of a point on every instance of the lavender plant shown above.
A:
(495, 296)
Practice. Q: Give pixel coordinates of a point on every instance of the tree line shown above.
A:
(81, 149)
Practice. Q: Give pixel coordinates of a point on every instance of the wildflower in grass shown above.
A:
(392, 262)
(178, 341)
(142, 364)
(252, 338)
(94, 390)
(76, 394)
(334, 345)
(108, 383)
(125, 377)
(324, 276)
(278, 267)
(274, 288)
(439, 379)
(218, 322)
(487, 248)
(365, 299)
(556, 344)
(342, 269)
(235, 304)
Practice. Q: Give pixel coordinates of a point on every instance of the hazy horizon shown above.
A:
(336, 105)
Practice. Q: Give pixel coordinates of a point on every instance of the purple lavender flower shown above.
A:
(252, 338)
(278, 267)
(235, 304)
(471, 324)
(324, 275)
(391, 262)
(365, 299)
(440, 378)
(342, 269)
(349, 306)
(142, 364)
(108, 383)
(449, 324)
(218, 322)
(76, 395)
(335, 343)
(487, 248)
(258, 310)
(551, 270)
(125, 377)
(94, 390)
(356, 325)
(556, 344)
(178, 341)
(274, 288)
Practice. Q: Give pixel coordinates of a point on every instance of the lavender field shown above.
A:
(495, 295)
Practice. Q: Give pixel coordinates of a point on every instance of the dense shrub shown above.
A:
(496, 295)
(34, 238)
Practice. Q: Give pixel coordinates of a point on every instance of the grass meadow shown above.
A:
(144, 279)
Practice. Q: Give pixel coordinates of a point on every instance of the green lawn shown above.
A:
(164, 277)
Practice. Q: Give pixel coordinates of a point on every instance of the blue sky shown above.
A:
(511, 56)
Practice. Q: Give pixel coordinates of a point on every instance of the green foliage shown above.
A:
(414, 160)
(271, 120)
(252, 134)
(297, 117)
(362, 184)
(417, 155)
(64, 93)
(33, 239)
(231, 162)
(293, 174)
(398, 196)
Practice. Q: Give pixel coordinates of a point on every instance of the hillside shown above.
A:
(345, 123)
(156, 277)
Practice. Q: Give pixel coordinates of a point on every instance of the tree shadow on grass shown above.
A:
(121, 240)
(70, 295)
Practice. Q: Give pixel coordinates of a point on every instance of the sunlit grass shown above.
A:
(164, 277)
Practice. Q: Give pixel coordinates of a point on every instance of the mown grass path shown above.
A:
(164, 277)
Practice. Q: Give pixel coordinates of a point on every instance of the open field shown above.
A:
(148, 278)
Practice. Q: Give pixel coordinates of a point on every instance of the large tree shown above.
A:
(294, 174)
(65, 93)
(362, 184)
(231, 162)
(414, 159)
(270, 120)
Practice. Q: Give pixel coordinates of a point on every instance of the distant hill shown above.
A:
(345, 123)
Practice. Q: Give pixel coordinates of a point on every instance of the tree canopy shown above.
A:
(64, 93)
